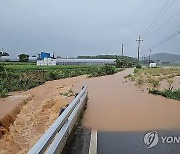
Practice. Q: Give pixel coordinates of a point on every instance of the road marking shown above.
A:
(93, 142)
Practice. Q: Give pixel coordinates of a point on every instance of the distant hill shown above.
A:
(166, 58)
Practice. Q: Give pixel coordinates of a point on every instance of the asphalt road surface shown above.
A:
(133, 143)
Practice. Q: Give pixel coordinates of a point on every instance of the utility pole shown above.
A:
(122, 50)
(149, 56)
(144, 59)
(139, 44)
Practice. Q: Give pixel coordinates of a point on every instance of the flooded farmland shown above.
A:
(116, 104)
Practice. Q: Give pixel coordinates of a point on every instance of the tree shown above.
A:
(23, 58)
(121, 63)
(118, 63)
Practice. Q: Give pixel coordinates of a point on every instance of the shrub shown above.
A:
(155, 82)
(109, 69)
(3, 92)
(136, 71)
(1, 68)
(173, 94)
(52, 75)
(138, 66)
(119, 63)
(140, 80)
(128, 76)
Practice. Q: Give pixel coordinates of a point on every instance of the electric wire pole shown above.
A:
(149, 56)
(139, 44)
(144, 58)
(122, 50)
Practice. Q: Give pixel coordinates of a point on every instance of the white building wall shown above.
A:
(46, 62)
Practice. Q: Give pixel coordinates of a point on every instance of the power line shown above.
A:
(153, 24)
(157, 16)
(162, 15)
(163, 41)
(166, 22)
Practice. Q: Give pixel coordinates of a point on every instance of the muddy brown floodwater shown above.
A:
(116, 104)
(31, 120)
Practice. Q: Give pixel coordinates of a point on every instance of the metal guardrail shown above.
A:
(54, 139)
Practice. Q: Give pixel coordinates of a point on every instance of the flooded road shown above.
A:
(115, 104)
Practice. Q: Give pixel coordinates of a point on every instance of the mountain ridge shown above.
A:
(166, 58)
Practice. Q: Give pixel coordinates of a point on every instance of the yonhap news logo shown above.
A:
(152, 139)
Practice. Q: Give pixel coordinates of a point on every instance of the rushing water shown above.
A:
(117, 105)
(35, 116)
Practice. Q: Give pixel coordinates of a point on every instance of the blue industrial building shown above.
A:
(43, 55)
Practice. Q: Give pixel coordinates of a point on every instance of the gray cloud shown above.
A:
(84, 27)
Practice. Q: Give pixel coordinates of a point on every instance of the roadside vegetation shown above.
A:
(23, 75)
(152, 78)
(17, 76)
(125, 62)
(173, 94)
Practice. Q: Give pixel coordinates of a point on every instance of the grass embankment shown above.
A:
(173, 94)
(23, 77)
(152, 78)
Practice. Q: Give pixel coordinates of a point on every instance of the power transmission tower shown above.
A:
(139, 44)
(149, 56)
(122, 50)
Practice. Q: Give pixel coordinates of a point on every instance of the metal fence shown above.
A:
(54, 139)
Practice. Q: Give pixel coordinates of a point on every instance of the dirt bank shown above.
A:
(116, 104)
(10, 107)
(37, 114)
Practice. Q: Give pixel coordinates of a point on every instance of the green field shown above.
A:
(23, 76)
(35, 67)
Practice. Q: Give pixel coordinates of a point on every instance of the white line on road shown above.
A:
(93, 142)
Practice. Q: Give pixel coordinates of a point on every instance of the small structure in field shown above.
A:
(153, 65)
(46, 59)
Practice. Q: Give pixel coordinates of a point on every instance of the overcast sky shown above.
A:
(86, 27)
